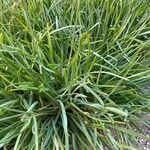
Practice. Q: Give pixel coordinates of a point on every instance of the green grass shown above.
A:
(74, 74)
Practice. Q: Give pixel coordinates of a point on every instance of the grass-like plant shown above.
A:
(74, 74)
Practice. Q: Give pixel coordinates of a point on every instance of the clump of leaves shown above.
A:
(74, 74)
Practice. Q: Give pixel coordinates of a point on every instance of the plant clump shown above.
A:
(74, 74)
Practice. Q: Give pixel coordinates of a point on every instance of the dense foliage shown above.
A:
(74, 74)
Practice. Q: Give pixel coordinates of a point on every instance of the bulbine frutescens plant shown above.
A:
(74, 74)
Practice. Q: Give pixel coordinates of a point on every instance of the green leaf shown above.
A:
(65, 125)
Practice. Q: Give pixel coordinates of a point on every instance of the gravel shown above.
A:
(144, 144)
